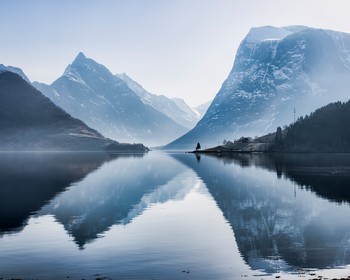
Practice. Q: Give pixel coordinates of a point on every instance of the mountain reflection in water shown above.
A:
(277, 224)
(166, 214)
(114, 195)
(30, 180)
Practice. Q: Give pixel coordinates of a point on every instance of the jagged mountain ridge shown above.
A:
(89, 91)
(275, 71)
(174, 108)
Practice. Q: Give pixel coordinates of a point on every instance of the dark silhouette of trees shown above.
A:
(198, 147)
(279, 136)
(325, 130)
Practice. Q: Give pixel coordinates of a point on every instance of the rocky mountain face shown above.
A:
(174, 108)
(89, 91)
(30, 121)
(275, 71)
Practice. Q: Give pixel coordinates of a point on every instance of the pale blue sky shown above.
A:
(180, 48)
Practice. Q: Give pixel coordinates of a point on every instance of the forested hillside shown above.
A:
(325, 130)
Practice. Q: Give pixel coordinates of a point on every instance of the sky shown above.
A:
(179, 48)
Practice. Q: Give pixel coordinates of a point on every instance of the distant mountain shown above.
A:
(89, 91)
(174, 108)
(16, 70)
(202, 109)
(275, 71)
(30, 121)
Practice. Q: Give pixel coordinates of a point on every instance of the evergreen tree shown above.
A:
(279, 136)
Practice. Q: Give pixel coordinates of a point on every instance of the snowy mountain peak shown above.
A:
(89, 91)
(82, 61)
(85, 70)
(80, 56)
(267, 33)
(295, 28)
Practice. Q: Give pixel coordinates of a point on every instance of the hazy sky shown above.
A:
(179, 48)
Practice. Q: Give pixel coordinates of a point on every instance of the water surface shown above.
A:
(173, 216)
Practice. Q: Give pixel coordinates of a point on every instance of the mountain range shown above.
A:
(30, 121)
(277, 73)
(174, 108)
(117, 106)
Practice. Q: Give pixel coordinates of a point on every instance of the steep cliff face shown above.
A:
(275, 71)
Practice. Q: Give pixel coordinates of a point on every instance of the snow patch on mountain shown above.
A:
(266, 33)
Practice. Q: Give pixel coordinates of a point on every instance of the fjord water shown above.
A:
(173, 216)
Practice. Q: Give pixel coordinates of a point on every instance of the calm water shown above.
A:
(173, 216)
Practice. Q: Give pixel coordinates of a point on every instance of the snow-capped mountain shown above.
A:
(275, 71)
(174, 108)
(89, 91)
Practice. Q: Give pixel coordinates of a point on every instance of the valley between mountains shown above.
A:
(279, 75)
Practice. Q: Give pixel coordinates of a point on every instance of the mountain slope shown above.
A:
(16, 70)
(174, 108)
(30, 121)
(89, 91)
(325, 130)
(275, 71)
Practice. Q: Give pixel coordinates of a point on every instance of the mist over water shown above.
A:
(173, 216)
